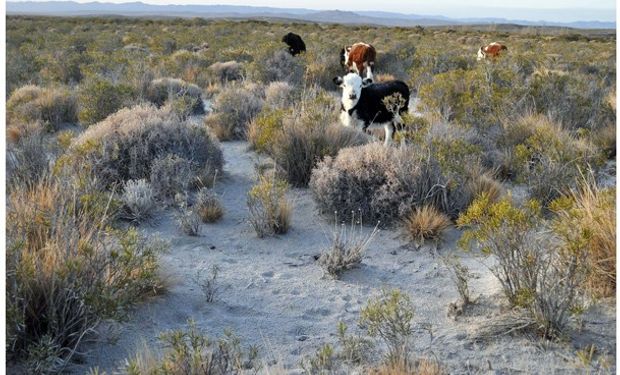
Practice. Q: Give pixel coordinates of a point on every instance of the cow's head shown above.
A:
(481, 53)
(351, 85)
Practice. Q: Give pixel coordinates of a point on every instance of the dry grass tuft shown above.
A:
(425, 223)
(347, 248)
(422, 366)
(208, 206)
(270, 211)
(485, 184)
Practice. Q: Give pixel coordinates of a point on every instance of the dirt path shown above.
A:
(272, 294)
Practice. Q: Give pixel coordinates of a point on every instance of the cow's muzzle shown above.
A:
(352, 96)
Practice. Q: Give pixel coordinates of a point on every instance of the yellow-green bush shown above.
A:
(98, 98)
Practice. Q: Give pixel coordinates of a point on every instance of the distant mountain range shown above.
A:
(138, 9)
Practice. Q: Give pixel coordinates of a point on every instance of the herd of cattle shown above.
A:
(362, 105)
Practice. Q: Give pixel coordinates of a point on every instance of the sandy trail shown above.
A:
(272, 294)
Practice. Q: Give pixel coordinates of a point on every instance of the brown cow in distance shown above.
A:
(358, 58)
(492, 51)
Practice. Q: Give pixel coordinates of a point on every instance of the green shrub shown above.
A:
(98, 98)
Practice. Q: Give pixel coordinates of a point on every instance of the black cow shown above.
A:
(295, 44)
(362, 104)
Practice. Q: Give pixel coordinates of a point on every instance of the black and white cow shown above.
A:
(362, 104)
(295, 44)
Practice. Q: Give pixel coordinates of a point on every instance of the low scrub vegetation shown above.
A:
(176, 91)
(51, 107)
(233, 109)
(270, 211)
(208, 206)
(536, 273)
(98, 98)
(67, 270)
(383, 183)
(126, 145)
(190, 351)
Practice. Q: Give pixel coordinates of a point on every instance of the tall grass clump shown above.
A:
(51, 107)
(586, 221)
(126, 145)
(384, 183)
(425, 223)
(233, 109)
(270, 211)
(67, 270)
(28, 158)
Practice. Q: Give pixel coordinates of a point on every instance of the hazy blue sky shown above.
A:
(551, 10)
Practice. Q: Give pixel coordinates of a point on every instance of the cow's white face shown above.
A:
(351, 86)
(481, 54)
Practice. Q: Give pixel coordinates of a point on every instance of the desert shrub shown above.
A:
(138, 200)
(208, 284)
(506, 232)
(425, 223)
(347, 247)
(263, 129)
(321, 67)
(280, 66)
(323, 361)
(187, 218)
(190, 351)
(66, 271)
(535, 272)
(460, 276)
(471, 97)
(233, 109)
(307, 136)
(182, 94)
(126, 144)
(270, 211)
(208, 206)
(279, 95)
(547, 157)
(98, 98)
(581, 105)
(384, 183)
(585, 221)
(50, 106)
(226, 71)
(390, 317)
(170, 174)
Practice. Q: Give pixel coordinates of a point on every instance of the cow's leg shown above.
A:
(368, 71)
(389, 133)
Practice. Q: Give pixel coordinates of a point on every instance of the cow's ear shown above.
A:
(338, 81)
(366, 82)
(348, 48)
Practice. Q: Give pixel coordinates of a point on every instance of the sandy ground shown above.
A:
(274, 295)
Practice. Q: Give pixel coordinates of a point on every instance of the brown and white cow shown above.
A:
(492, 51)
(359, 58)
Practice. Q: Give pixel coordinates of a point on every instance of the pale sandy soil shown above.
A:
(274, 295)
